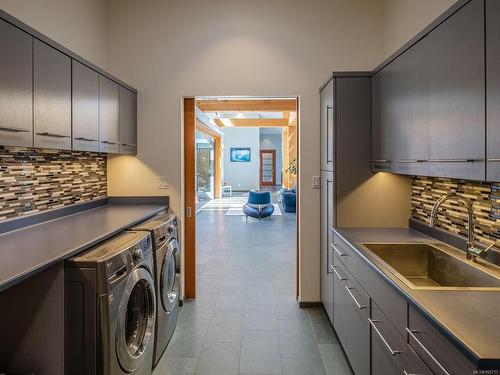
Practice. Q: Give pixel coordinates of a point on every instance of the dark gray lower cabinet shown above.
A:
(16, 86)
(351, 313)
(380, 331)
(52, 97)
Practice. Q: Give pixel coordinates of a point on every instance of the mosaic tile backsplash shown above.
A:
(452, 216)
(37, 180)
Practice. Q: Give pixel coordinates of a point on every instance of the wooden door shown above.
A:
(267, 167)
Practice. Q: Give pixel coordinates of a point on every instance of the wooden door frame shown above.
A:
(188, 202)
(268, 151)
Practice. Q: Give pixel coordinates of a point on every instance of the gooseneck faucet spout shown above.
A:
(471, 251)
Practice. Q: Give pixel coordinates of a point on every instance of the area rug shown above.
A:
(238, 211)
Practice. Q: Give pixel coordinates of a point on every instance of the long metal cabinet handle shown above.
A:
(338, 251)
(328, 226)
(354, 298)
(336, 273)
(391, 350)
(412, 334)
(13, 129)
(54, 135)
(453, 160)
(328, 109)
(494, 159)
(110, 143)
(85, 139)
(129, 144)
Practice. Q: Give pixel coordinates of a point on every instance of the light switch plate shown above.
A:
(164, 183)
(316, 182)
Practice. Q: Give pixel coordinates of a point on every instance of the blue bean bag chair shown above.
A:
(259, 205)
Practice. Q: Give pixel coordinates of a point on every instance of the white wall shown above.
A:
(273, 142)
(79, 25)
(241, 176)
(403, 19)
(167, 49)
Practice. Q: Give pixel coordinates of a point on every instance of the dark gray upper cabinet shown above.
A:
(327, 145)
(128, 121)
(493, 88)
(16, 82)
(457, 95)
(382, 102)
(52, 97)
(85, 108)
(410, 111)
(109, 104)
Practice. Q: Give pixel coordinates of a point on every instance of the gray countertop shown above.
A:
(26, 251)
(471, 319)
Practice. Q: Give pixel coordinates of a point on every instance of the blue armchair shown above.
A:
(259, 205)
(288, 199)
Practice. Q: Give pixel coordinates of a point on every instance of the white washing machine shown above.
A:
(111, 308)
(167, 258)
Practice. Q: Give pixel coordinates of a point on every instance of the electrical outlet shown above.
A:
(164, 183)
(316, 182)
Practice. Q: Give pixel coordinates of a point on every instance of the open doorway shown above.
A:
(240, 186)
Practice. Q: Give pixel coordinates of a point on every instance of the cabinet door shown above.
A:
(382, 103)
(327, 214)
(351, 315)
(128, 121)
(327, 127)
(456, 95)
(52, 97)
(16, 82)
(410, 111)
(493, 88)
(85, 108)
(109, 104)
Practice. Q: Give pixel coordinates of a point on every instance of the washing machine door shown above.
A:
(169, 277)
(136, 319)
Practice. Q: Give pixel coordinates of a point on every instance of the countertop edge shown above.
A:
(459, 344)
(4, 285)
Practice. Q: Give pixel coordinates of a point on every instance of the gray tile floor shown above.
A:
(245, 319)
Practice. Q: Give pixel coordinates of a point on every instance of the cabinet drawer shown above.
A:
(437, 352)
(390, 353)
(393, 305)
(351, 313)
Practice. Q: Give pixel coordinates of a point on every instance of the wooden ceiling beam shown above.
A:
(247, 105)
(259, 123)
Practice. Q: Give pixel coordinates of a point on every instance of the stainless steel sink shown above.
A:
(425, 266)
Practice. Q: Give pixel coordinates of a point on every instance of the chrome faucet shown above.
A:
(472, 251)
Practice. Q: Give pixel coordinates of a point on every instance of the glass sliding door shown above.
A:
(204, 166)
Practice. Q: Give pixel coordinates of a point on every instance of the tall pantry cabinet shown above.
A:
(345, 139)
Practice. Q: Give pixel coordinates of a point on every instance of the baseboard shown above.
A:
(310, 305)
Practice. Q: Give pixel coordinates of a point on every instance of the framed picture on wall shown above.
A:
(240, 154)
